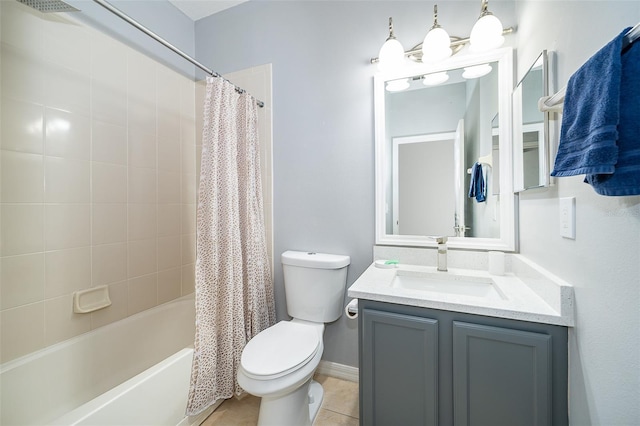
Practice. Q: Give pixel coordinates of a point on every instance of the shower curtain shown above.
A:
(234, 290)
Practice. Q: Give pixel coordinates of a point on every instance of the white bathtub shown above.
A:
(134, 371)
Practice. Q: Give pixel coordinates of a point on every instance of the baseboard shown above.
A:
(197, 420)
(339, 371)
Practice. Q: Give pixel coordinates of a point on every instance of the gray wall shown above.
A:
(323, 162)
(603, 262)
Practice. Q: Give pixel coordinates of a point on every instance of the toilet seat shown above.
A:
(279, 350)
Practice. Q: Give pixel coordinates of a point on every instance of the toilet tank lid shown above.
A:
(315, 260)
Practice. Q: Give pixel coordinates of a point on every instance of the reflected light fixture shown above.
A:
(391, 54)
(476, 71)
(437, 43)
(435, 78)
(398, 85)
(486, 33)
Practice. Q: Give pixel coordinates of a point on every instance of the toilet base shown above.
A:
(298, 408)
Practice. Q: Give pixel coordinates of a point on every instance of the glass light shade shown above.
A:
(436, 45)
(391, 55)
(486, 34)
(476, 71)
(435, 78)
(398, 85)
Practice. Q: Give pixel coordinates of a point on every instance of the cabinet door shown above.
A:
(399, 375)
(500, 376)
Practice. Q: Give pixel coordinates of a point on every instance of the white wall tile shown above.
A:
(169, 158)
(109, 183)
(22, 28)
(109, 223)
(61, 322)
(188, 248)
(142, 148)
(67, 135)
(109, 264)
(188, 279)
(168, 187)
(143, 293)
(109, 102)
(68, 90)
(142, 257)
(67, 271)
(22, 330)
(188, 218)
(68, 45)
(169, 285)
(22, 228)
(23, 76)
(22, 280)
(142, 185)
(169, 252)
(67, 226)
(67, 181)
(109, 143)
(22, 126)
(142, 222)
(119, 295)
(169, 220)
(22, 177)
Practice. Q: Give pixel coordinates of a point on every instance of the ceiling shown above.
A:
(197, 9)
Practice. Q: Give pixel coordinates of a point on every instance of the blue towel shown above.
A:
(626, 178)
(477, 186)
(600, 122)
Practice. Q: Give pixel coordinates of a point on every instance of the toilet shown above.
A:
(278, 363)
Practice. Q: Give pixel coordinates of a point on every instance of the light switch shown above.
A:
(568, 217)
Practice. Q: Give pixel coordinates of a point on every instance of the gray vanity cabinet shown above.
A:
(423, 366)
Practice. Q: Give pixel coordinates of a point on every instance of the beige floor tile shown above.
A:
(330, 418)
(339, 407)
(235, 412)
(340, 396)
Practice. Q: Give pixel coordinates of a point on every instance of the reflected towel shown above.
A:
(477, 186)
(600, 125)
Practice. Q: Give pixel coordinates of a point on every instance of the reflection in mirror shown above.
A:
(432, 133)
(531, 164)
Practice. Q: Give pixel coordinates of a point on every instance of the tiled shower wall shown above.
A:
(98, 179)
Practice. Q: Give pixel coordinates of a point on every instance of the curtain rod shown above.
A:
(165, 43)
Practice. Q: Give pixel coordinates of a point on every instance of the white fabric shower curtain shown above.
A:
(234, 290)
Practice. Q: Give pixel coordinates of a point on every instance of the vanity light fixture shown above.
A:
(486, 33)
(438, 45)
(391, 54)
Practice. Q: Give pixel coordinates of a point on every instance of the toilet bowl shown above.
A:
(278, 363)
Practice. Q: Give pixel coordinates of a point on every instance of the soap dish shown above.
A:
(90, 300)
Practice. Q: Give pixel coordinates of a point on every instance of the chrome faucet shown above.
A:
(442, 252)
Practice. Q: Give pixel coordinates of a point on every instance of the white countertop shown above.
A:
(542, 299)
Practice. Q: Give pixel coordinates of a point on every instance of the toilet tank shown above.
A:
(314, 285)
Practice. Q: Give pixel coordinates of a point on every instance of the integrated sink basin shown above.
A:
(446, 283)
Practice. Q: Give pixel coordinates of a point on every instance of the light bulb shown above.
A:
(435, 78)
(436, 45)
(486, 34)
(398, 85)
(391, 54)
(476, 71)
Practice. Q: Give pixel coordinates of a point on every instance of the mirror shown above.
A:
(531, 128)
(428, 138)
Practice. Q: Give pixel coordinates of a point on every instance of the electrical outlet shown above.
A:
(568, 217)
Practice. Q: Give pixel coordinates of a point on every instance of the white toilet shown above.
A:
(278, 363)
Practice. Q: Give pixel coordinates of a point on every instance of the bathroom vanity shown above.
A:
(462, 347)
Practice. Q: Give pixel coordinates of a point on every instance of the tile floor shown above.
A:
(339, 408)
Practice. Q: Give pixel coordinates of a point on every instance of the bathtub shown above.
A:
(134, 371)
